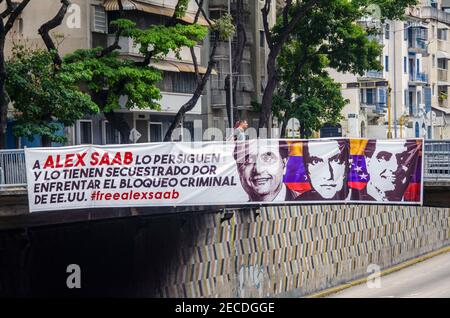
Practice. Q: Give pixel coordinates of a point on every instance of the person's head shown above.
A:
(326, 165)
(389, 165)
(242, 123)
(261, 166)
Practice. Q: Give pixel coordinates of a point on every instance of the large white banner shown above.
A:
(218, 173)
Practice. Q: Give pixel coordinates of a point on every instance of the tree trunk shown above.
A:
(238, 54)
(189, 105)
(275, 49)
(10, 15)
(4, 99)
(272, 81)
(46, 141)
(284, 125)
(116, 120)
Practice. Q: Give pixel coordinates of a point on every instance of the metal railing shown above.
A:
(418, 77)
(437, 160)
(12, 168)
(437, 164)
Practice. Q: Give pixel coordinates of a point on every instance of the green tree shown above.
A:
(321, 28)
(43, 97)
(107, 77)
(100, 74)
(322, 39)
(11, 11)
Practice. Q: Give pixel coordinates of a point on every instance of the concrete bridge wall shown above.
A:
(274, 251)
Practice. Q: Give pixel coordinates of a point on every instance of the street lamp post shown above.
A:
(389, 134)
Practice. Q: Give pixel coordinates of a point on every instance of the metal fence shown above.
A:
(437, 164)
(437, 160)
(12, 168)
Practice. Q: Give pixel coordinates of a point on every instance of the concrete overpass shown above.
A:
(270, 251)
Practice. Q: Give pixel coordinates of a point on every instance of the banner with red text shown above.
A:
(225, 173)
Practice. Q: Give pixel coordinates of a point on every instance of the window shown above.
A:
(110, 135)
(386, 63)
(184, 83)
(189, 126)
(99, 20)
(442, 34)
(262, 39)
(433, 31)
(155, 131)
(85, 133)
(405, 65)
(405, 32)
(433, 60)
(405, 95)
(387, 31)
(442, 64)
(216, 122)
(369, 96)
(418, 66)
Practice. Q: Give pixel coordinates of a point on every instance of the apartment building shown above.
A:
(87, 25)
(415, 70)
(252, 75)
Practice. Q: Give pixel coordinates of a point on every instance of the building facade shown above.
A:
(251, 76)
(87, 25)
(415, 71)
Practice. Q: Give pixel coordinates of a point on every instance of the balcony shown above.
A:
(444, 103)
(127, 45)
(417, 45)
(442, 45)
(374, 109)
(442, 75)
(374, 74)
(418, 78)
(435, 14)
(129, 48)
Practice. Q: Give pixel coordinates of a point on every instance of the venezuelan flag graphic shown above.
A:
(295, 177)
(358, 176)
(412, 192)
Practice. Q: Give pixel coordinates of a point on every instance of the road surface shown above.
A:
(427, 279)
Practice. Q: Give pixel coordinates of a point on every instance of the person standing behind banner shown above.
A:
(239, 130)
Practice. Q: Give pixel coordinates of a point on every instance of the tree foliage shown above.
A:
(322, 28)
(327, 37)
(94, 80)
(43, 97)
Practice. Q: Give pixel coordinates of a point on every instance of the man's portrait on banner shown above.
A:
(261, 165)
(326, 165)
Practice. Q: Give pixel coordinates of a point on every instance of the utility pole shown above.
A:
(231, 70)
(395, 85)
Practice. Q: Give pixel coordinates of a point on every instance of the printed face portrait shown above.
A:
(261, 167)
(326, 166)
(389, 166)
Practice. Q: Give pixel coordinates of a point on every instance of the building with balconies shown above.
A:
(87, 24)
(250, 78)
(415, 66)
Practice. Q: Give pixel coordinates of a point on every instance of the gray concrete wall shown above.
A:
(276, 251)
